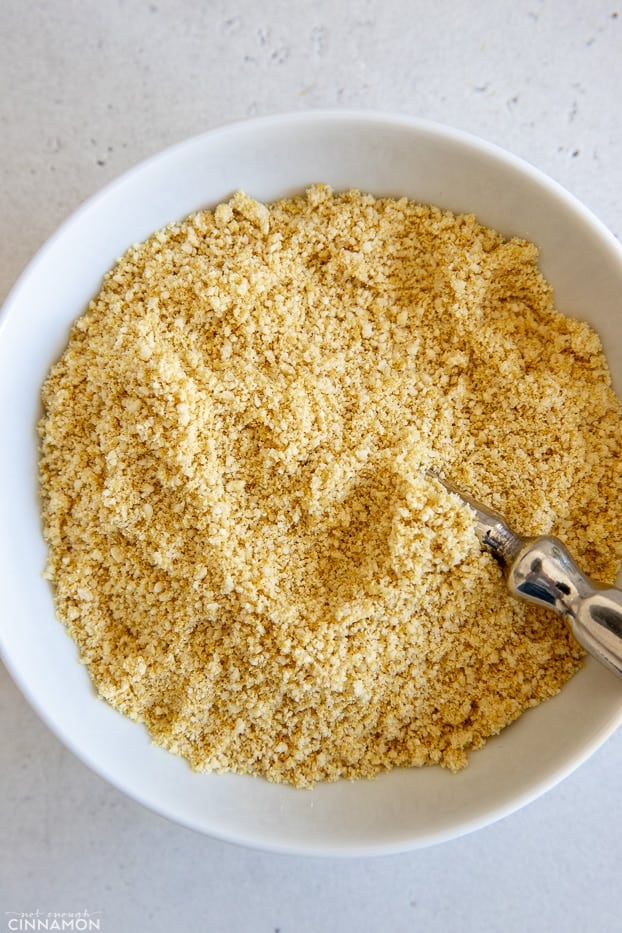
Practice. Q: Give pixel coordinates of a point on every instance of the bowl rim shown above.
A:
(328, 114)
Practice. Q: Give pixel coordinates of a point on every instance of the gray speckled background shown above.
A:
(89, 89)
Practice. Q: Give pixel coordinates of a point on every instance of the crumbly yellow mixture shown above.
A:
(241, 538)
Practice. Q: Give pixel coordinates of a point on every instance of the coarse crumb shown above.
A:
(242, 540)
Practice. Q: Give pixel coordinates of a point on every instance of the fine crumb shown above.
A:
(242, 540)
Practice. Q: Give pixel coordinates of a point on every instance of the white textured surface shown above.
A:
(90, 88)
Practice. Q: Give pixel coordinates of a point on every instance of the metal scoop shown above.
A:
(540, 570)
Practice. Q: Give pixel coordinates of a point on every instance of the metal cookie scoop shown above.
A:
(542, 571)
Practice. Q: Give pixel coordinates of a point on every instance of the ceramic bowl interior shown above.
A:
(270, 158)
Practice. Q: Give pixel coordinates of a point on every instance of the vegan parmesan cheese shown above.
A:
(242, 539)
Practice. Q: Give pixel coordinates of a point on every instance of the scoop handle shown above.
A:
(543, 572)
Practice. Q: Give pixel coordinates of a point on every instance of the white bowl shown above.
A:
(271, 158)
